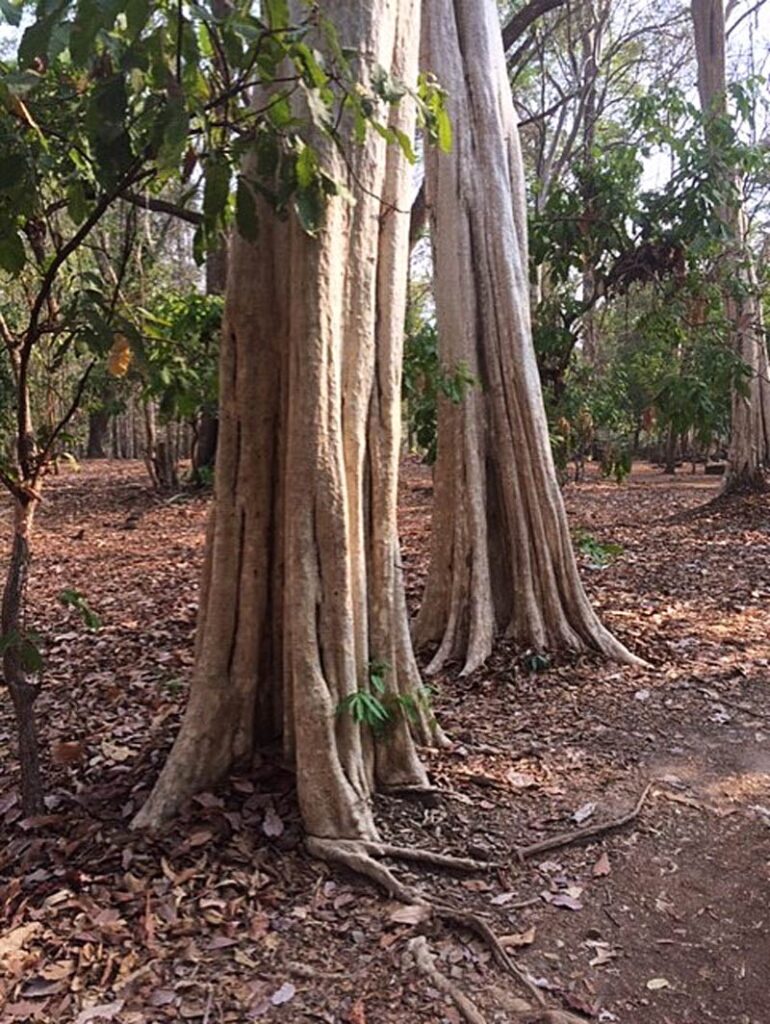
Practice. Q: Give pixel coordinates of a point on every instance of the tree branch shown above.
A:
(73, 408)
(525, 18)
(163, 206)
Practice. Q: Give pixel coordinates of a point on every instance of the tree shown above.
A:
(108, 105)
(302, 634)
(501, 558)
(749, 452)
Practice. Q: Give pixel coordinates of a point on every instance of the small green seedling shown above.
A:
(74, 599)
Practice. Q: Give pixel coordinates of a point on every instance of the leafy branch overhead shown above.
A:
(108, 99)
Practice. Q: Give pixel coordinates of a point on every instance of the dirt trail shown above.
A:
(225, 918)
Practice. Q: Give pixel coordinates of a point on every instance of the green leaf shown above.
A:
(13, 170)
(88, 22)
(309, 206)
(30, 656)
(137, 16)
(406, 145)
(77, 206)
(35, 41)
(306, 167)
(246, 211)
(444, 130)
(216, 189)
(309, 62)
(12, 253)
(277, 12)
(176, 125)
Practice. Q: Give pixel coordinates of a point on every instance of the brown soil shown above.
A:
(226, 919)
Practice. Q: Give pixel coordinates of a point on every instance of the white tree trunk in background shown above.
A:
(502, 559)
(749, 452)
(302, 590)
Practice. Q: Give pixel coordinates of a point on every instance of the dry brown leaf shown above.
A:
(120, 356)
(13, 942)
(602, 867)
(412, 913)
(521, 780)
(67, 752)
(272, 826)
(655, 984)
(518, 939)
(357, 1013)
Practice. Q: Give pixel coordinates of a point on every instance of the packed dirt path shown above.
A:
(224, 918)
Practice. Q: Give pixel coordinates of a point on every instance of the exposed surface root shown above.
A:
(476, 924)
(426, 963)
(352, 854)
(419, 856)
(579, 835)
(356, 855)
(443, 860)
(359, 856)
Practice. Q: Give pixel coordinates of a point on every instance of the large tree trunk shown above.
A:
(749, 450)
(501, 560)
(302, 594)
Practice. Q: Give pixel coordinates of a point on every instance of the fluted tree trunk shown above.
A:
(749, 450)
(501, 559)
(302, 599)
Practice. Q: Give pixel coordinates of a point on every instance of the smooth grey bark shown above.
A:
(749, 449)
(501, 558)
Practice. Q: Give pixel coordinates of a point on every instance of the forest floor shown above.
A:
(226, 919)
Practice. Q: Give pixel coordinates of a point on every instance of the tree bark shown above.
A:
(501, 559)
(22, 691)
(302, 593)
(98, 433)
(749, 450)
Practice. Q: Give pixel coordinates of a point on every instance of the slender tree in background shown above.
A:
(501, 559)
(302, 613)
(749, 451)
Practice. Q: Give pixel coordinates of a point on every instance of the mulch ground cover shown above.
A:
(224, 918)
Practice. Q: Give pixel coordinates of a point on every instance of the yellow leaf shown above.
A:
(119, 359)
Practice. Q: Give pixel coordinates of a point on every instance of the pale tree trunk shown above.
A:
(749, 450)
(594, 17)
(302, 590)
(501, 559)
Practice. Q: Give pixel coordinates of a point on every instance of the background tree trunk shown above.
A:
(749, 450)
(207, 427)
(302, 595)
(501, 559)
(98, 434)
